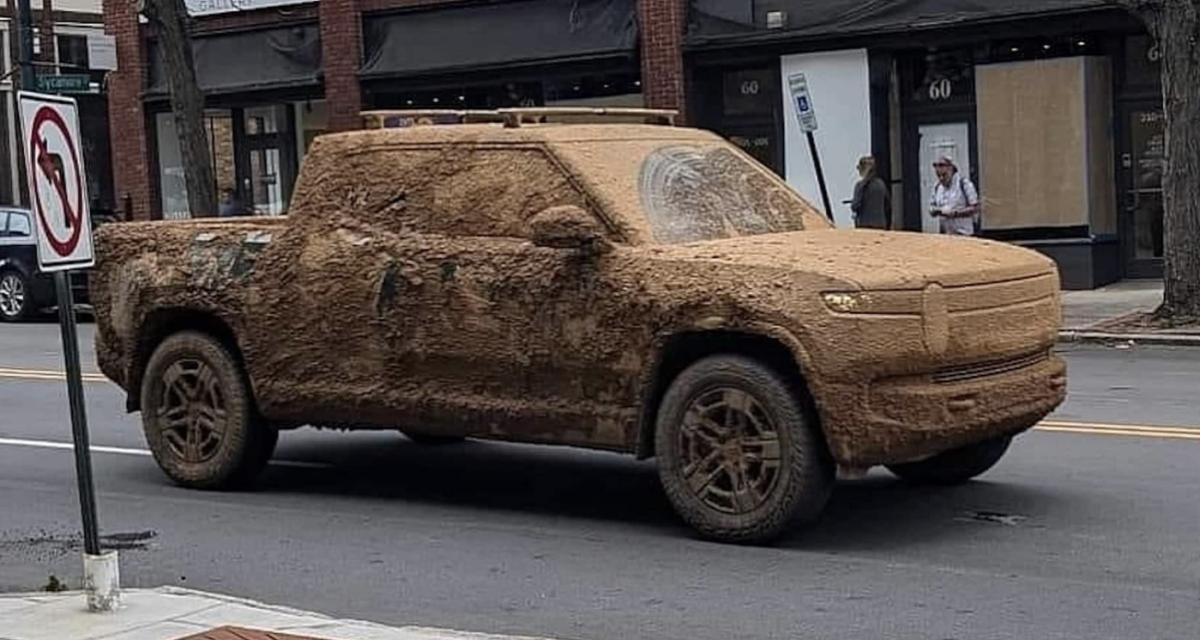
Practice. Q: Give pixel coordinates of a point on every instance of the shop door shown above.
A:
(267, 158)
(947, 139)
(1143, 160)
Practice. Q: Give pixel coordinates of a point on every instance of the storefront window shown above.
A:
(1147, 129)
(312, 120)
(171, 177)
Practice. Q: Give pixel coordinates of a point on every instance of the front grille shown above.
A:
(975, 371)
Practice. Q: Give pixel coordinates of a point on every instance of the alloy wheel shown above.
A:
(731, 451)
(12, 295)
(192, 414)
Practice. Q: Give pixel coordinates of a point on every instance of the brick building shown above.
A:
(69, 40)
(1052, 106)
(276, 73)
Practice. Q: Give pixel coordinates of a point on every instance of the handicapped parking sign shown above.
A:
(801, 97)
(57, 181)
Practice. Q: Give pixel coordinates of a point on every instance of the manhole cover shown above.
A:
(238, 633)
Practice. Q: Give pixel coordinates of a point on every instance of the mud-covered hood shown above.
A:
(874, 259)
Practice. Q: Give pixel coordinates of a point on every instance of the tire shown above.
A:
(781, 483)
(956, 466)
(192, 376)
(430, 440)
(15, 296)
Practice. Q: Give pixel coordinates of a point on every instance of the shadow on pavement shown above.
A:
(878, 512)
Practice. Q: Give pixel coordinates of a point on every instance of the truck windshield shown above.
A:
(684, 191)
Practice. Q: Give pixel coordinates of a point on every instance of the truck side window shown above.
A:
(461, 191)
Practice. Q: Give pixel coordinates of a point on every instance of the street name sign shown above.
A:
(66, 83)
(57, 181)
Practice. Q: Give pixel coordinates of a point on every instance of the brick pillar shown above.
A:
(131, 159)
(341, 43)
(662, 24)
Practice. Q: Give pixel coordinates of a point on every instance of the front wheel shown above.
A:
(956, 466)
(198, 415)
(739, 454)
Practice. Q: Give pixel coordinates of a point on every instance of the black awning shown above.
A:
(250, 61)
(718, 19)
(494, 35)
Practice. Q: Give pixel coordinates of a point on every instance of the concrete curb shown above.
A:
(1076, 336)
(170, 613)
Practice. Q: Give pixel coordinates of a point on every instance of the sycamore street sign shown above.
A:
(69, 83)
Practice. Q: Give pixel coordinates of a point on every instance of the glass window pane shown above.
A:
(72, 53)
(18, 225)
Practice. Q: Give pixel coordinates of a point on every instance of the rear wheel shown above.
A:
(14, 296)
(198, 415)
(956, 466)
(738, 451)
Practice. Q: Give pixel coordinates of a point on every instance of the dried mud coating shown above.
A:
(403, 289)
(691, 194)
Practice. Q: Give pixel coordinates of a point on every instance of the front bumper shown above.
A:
(909, 418)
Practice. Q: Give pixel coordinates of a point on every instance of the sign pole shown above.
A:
(101, 577)
(79, 430)
(816, 156)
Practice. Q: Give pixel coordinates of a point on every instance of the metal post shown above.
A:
(101, 574)
(25, 35)
(83, 458)
(812, 147)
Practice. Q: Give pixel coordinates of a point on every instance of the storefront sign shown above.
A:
(211, 7)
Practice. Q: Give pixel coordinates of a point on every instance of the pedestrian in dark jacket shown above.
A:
(872, 203)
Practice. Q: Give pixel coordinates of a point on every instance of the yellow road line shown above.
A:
(1166, 435)
(1065, 424)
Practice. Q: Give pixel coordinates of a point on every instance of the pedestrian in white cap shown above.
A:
(955, 201)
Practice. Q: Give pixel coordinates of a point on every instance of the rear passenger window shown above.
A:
(18, 225)
(458, 191)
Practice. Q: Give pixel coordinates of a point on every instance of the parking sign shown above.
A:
(801, 97)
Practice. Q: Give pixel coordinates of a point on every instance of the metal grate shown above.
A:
(975, 371)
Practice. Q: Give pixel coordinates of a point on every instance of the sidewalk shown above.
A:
(170, 613)
(1084, 311)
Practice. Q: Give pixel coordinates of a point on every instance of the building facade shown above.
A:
(1052, 106)
(69, 41)
(276, 74)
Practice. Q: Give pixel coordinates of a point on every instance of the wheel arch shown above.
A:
(159, 325)
(771, 345)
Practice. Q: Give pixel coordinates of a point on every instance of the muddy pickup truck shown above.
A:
(649, 290)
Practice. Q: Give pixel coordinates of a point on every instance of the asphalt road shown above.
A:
(1083, 533)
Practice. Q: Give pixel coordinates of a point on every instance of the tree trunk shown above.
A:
(187, 103)
(1178, 31)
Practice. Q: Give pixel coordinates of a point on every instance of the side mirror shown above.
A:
(568, 227)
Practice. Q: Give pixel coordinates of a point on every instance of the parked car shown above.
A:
(24, 291)
(649, 290)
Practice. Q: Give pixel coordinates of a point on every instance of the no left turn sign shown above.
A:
(57, 181)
